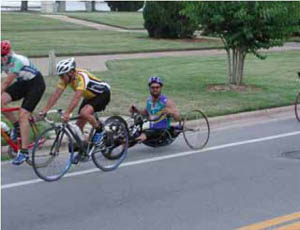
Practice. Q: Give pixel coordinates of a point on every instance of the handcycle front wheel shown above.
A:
(297, 107)
(113, 149)
(55, 154)
(196, 130)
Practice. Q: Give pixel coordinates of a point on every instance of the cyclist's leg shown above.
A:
(96, 104)
(35, 89)
(6, 98)
(24, 116)
(87, 115)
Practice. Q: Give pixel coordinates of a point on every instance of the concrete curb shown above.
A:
(240, 119)
(252, 117)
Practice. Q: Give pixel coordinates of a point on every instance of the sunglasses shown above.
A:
(155, 87)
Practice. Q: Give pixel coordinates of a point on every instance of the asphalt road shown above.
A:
(246, 174)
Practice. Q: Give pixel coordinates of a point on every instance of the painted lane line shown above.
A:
(154, 159)
(273, 222)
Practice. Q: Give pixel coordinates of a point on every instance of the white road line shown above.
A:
(22, 183)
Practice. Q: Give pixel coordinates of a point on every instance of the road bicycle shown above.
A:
(62, 141)
(297, 104)
(194, 126)
(14, 145)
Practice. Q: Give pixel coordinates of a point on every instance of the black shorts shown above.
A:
(32, 92)
(98, 103)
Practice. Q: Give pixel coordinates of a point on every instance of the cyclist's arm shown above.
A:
(172, 110)
(53, 99)
(8, 80)
(74, 102)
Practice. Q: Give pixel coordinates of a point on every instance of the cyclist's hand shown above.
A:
(66, 117)
(133, 109)
(43, 113)
(166, 112)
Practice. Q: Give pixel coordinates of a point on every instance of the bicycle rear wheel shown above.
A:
(55, 154)
(196, 129)
(297, 107)
(113, 149)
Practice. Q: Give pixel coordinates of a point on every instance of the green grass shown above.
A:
(94, 42)
(17, 22)
(294, 39)
(187, 80)
(128, 20)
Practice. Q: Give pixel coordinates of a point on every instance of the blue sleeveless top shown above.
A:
(155, 110)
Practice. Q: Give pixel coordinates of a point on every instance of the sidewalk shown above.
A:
(96, 63)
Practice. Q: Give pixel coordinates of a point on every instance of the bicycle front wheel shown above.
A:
(196, 129)
(297, 107)
(55, 154)
(113, 149)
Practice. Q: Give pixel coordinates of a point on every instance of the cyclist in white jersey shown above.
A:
(29, 85)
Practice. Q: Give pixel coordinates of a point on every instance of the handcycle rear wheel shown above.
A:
(196, 130)
(113, 149)
(55, 154)
(297, 107)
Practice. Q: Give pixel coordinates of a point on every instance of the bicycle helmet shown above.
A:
(65, 66)
(5, 47)
(155, 79)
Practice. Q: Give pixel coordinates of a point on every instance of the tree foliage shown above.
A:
(245, 27)
(125, 5)
(163, 19)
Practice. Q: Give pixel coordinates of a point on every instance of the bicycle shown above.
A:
(14, 145)
(297, 104)
(194, 127)
(61, 141)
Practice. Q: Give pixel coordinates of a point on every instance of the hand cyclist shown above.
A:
(157, 104)
(29, 85)
(95, 94)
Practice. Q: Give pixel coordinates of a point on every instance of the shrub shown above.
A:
(164, 20)
(125, 5)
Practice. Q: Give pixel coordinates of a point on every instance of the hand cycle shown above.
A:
(297, 104)
(14, 145)
(62, 141)
(194, 127)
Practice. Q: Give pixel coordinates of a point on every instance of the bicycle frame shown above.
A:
(15, 146)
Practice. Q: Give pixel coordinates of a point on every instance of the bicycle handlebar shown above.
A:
(56, 111)
(146, 118)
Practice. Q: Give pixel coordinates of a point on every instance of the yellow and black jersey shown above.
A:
(87, 82)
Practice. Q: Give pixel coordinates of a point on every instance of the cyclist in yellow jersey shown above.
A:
(95, 93)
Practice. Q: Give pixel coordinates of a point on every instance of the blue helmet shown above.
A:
(155, 79)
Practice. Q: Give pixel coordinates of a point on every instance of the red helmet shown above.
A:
(5, 47)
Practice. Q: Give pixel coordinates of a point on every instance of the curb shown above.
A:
(239, 119)
(252, 117)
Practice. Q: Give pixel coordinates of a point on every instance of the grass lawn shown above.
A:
(17, 22)
(128, 20)
(187, 80)
(294, 39)
(76, 42)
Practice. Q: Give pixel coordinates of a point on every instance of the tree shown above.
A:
(164, 20)
(125, 5)
(24, 5)
(245, 27)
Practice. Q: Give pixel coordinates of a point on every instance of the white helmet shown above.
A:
(65, 66)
